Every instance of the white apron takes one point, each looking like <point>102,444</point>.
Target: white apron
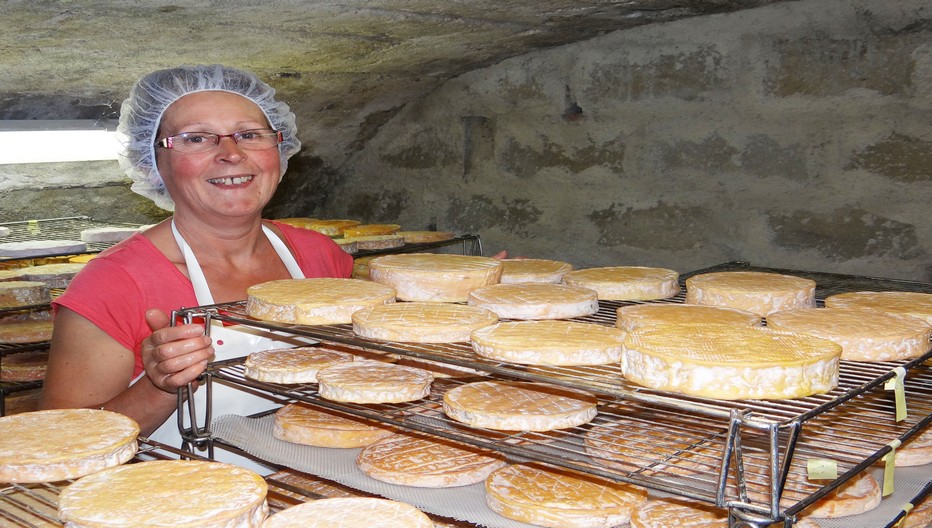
<point>229,342</point>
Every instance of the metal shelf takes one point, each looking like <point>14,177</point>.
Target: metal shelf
<point>68,228</point>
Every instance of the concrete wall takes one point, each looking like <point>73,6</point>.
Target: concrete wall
<point>793,136</point>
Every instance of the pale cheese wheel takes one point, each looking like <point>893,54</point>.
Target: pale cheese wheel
<point>519,406</point>
<point>558,498</point>
<point>917,451</point>
<point>860,494</point>
<point>347,245</point>
<point>377,241</point>
<point>291,365</point>
<point>16,294</point>
<point>54,275</point>
<point>635,316</point>
<point>361,267</point>
<point>679,513</point>
<point>298,221</point>
<point>757,292</point>
<point>425,237</point>
<point>426,462</point>
<point>24,366</point>
<point>314,301</point>
<point>40,248</point>
<point>914,304</point>
<point>166,493</point>
<point>332,228</point>
<point>921,514</point>
<point>348,512</point>
<point>11,274</point>
<point>534,270</point>
<point>627,283</point>
<point>108,234</point>
<point>16,332</point>
<point>730,362</point>
<point>365,230</point>
<point>536,300</point>
<point>563,343</point>
<point>300,423</point>
<point>435,277</point>
<point>33,447</point>
<point>864,334</point>
<point>419,322</point>
<point>373,382</point>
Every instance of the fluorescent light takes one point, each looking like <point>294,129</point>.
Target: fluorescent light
<point>35,141</point>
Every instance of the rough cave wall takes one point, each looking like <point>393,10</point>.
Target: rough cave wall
<point>793,136</point>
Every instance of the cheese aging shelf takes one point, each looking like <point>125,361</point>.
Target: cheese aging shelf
<point>743,455</point>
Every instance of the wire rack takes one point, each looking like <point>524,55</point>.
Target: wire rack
<point>68,228</point>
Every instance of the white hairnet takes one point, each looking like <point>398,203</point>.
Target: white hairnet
<point>141,115</point>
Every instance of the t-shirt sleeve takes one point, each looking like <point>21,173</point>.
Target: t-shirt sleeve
<point>317,254</point>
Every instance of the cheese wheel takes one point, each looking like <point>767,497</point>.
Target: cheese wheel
<point>54,275</point>
<point>418,322</point>
<point>519,406</point>
<point>730,362</point>
<point>82,259</point>
<point>752,291</point>
<point>435,277</point>
<point>298,221</point>
<point>40,248</point>
<point>301,423</point>
<point>558,498</point>
<point>914,304</point>
<point>917,451</point>
<point>627,283</point>
<point>864,334</point>
<point>347,512</point>
<point>314,301</point>
<point>534,270</point>
<point>166,493</point>
<point>16,294</point>
<point>108,234</point>
<point>536,300</point>
<point>361,267</point>
<point>426,462</point>
<point>679,513</point>
<point>425,237</point>
<point>859,494</point>
<point>364,230</point>
<point>291,365</point>
<point>373,382</point>
<point>921,515</point>
<point>332,228</point>
<point>377,241</point>
<point>33,448</point>
<point>635,316</point>
<point>24,366</point>
<point>347,245</point>
<point>14,332</point>
<point>550,343</point>
<point>11,275</point>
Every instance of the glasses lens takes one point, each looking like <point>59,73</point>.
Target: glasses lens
<point>194,141</point>
<point>257,139</point>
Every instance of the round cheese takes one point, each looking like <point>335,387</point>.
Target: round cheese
<point>914,304</point>
<point>534,270</point>
<point>632,317</point>
<point>291,365</point>
<point>864,334</point>
<point>40,248</point>
<point>54,275</point>
<point>921,515</point>
<point>752,291</point>
<point>730,362</point>
<point>166,493</point>
<point>300,423</point>
<point>361,267</point>
<point>377,241</point>
<point>332,228</point>
<point>860,494</point>
<point>108,234</point>
<point>363,230</point>
<point>435,277</point>
<point>347,245</point>
<point>418,322</point>
<point>550,343</point>
<point>536,300</point>
<point>14,332</point>
<point>16,294</point>
<point>627,283</point>
<point>60,444</point>
<point>314,301</point>
<point>373,382</point>
<point>519,406</point>
<point>425,237</point>
<point>348,512</point>
<point>24,366</point>
<point>681,513</point>
<point>557,498</point>
<point>300,221</point>
<point>917,451</point>
<point>426,462</point>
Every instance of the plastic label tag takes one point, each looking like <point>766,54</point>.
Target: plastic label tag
<point>821,469</point>
<point>899,392</point>
<point>908,507</point>
<point>33,227</point>
<point>890,464</point>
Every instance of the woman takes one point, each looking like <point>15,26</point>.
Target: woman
<point>210,143</point>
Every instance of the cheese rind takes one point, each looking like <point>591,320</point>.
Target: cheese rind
<point>917,451</point>
<point>347,512</point>
<point>424,237</point>
<point>557,498</point>
<point>300,423</point>
<point>108,234</point>
<point>24,366</point>
<point>433,277</point>
<point>14,294</point>
<point>519,406</point>
<point>314,301</point>
<point>534,270</point>
<point>535,300</point>
<point>332,228</point>
<point>635,316</point>
<point>13,332</point>
<point>291,365</point>
<point>40,248</point>
<point>730,362</point>
<point>913,304</point>
<point>549,343</point>
<point>216,495</point>
<point>33,448</point>
<point>365,230</point>
<point>757,292</point>
<point>420,322</point>
<point>626,283</point>
<point>54,275</point>
<point>373,382</point>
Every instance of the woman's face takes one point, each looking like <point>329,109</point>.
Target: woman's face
<point>225,180</point>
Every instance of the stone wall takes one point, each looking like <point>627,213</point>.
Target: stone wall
<point>793,136</point>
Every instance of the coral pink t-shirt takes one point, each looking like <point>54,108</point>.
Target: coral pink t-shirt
<point>115,289</point>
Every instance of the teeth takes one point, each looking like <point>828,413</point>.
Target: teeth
<point>231,181</point>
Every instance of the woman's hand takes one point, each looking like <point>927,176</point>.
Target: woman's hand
<point>174,356</point>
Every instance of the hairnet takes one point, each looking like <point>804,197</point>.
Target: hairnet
<point>142,111</point>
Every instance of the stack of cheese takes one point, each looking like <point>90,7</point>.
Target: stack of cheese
<point>432,277</point>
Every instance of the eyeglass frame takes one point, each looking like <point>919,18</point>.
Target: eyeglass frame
<point>168,141</point>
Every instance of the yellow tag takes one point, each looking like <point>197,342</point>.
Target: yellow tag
<point>890,464</point>
<point>899,392</point>
<point>33,227</point>
<point>908,507</point>
<point>821,469</point>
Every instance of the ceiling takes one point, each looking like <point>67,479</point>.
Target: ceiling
<point>345,66</point>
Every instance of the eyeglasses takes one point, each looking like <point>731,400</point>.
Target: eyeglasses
<point>255,139</point>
